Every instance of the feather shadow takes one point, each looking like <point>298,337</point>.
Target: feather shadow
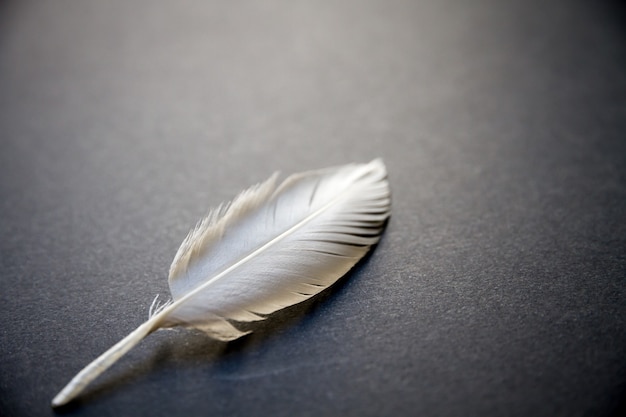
<point>188,350</point>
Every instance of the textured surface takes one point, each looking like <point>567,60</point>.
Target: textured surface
<point>497,289</point>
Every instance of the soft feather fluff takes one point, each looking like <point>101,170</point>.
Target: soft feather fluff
<point>272,247</point>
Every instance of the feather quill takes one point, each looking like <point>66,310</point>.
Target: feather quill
<point>272,247</point>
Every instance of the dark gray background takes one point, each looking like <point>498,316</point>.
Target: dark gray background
<point>497,289</point>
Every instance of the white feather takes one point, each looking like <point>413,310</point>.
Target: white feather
<point>272,247</point>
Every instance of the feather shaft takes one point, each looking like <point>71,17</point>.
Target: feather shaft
<point>272,247</point>
<point>104,361</point>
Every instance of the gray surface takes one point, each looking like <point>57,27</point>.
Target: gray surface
<point>498,288</point>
